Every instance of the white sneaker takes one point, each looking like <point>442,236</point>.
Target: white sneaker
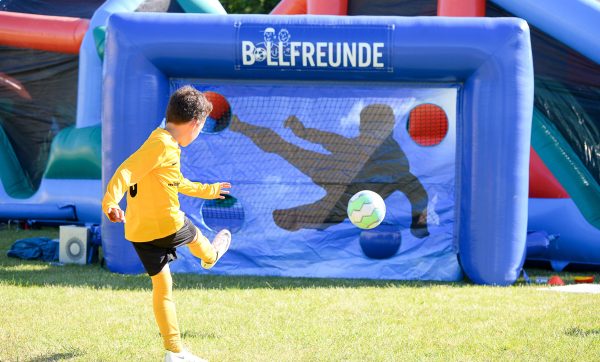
<point>183,356</point>
<point>221,244</point>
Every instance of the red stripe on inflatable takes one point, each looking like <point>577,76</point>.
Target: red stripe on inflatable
<point>542,183</point>
<point>461,8</point>
<point>331,7</point>
<point>41,32</point>
<point>290,7</point>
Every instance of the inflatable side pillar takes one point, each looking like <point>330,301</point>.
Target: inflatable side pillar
<point>89,86</point>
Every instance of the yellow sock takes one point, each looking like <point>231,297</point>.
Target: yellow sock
<point>202,248</point>
<point>164,309</point>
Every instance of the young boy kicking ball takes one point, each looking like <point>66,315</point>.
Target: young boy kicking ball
<point>155,224</point>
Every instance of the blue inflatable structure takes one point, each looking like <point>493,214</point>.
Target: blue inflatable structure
<point>309,110</point>
<point>301,91</point>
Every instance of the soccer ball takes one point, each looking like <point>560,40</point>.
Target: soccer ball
<point>366,209</point>
<point>260,54</point>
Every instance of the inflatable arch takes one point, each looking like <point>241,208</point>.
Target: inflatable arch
<point>293,95</point>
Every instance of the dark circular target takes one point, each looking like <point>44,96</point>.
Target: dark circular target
<point>382,242</point>
<point>220,117</point>
<point>219,214</point>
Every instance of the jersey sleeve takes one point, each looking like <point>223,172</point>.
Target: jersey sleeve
<point>197,189</point>
<point>149,156</point>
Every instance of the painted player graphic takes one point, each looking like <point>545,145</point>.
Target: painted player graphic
<point>284,38</point>
<point>272,39</point>
<point>352,165</point>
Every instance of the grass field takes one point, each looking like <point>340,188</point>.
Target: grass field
<point>85,313</point>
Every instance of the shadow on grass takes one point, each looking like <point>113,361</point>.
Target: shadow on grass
<point>578,332</point>
<point>34,273</point>
<point>56,356</point>
<point>199,335</point>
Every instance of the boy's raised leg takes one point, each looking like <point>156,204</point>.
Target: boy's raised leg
<point>208,252</point>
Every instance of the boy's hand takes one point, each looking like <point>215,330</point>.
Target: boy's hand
<point>223,185</point>
<point>116,215</point>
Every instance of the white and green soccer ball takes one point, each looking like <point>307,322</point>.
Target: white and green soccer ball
<point>366,209</point>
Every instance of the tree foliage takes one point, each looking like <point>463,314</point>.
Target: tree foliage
<point>249,6</point>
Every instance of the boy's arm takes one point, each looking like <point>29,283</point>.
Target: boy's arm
<point>203,191</point>
<point>147,157</point>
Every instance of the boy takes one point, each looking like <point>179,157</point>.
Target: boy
<point>155,224</point>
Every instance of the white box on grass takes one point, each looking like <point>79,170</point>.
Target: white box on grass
<point>74,244</point>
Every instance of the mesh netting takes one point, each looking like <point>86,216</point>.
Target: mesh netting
<point>296,154</point>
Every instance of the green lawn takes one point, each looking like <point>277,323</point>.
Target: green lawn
<point>85,313</point>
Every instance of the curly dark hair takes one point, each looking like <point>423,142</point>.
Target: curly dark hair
<point>186,104</point>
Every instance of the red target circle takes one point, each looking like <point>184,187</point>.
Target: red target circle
<point>427,124</point>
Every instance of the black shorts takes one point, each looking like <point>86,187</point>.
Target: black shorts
<point>157,253</point>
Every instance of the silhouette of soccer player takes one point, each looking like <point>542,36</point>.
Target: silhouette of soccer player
<point>372,161</point>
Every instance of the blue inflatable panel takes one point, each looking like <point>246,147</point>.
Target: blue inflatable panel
<point>577,240</point>
<point>67,201</point>
<point>312,82</point>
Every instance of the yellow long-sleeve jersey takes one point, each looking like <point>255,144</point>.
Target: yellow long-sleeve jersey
<point>153,178</point>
